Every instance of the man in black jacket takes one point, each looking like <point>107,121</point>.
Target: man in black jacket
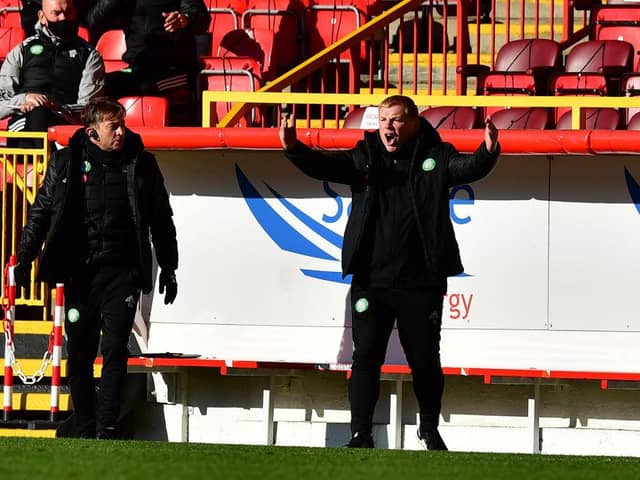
<point>161,50</point>
<point>102,198</point>
<point>400,246</point>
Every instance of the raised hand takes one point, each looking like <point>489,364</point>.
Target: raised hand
<point>490,135</point>
<point>288,136</point>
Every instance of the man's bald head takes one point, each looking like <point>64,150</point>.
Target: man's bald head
<point>57,10</point>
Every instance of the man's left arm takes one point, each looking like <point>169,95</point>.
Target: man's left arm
<point>163,230</point>
<point>92,81</point>
<point>469,168</point>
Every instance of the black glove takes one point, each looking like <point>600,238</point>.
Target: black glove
<point>168,282</point>
<point>22,274</point>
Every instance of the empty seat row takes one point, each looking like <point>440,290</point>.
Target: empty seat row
<point>517,118</point>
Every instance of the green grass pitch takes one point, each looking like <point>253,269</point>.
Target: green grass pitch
<point>52,459</point>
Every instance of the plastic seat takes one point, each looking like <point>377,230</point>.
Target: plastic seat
<point>522,118</point>
<point>594,119</point>
<point>328,23</point>
<point>618,22</point>
<point>630,86</point>
<point>429,34</point>
<point>286,21</point>
<point>10,16</point>
<point>146,111</point>
<point>365,118</point>
<point>9,38</point>
<point>522,67</point>
<point>627,33</point>
<point>254,43</point>
<point>634,122</point>
<point>232,73</point>
<point>112,46</point>
<point>451,117</point>
<point>594,67</point>
<point>224,18</point>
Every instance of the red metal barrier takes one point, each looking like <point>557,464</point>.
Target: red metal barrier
<point>516,142</point>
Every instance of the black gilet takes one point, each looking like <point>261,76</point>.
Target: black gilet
<point>110,228</point>
<point>55,70</point>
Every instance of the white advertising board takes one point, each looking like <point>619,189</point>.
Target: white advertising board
<point>259,275</point>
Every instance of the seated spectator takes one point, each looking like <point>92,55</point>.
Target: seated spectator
<point>161,51</point>
<point>51,75</point>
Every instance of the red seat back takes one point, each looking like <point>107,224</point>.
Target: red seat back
<point>146,111</point>
<point>112,47</point>
<point>451,117</point>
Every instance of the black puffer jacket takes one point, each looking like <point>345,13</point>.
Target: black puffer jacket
<point>361,168</point>
<point>56,217</point>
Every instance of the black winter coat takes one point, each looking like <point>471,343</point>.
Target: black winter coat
<point>54,217</point>
<point>361,168</point>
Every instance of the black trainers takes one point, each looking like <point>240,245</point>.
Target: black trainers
<point>360,440</point>
<point>107,433</point>
<point>431,439</point>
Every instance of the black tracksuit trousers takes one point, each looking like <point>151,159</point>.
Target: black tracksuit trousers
<point>419,317</point>
<point>106,298</point>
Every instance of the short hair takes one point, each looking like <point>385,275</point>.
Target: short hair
<point>406,102</point>
<point>98,108</point>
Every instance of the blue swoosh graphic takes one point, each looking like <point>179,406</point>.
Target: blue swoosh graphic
<point>328,276</point>
<point>283,234</point>
<point>634,188</point>
<point>329,235</point>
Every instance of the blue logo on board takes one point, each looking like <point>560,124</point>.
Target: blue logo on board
<point>290,239</point>
<point>634,188</point>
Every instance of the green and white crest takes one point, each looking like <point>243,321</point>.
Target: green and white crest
<point>86,166</point>
<point>361,305</point>
<point>36,49</point>
<point>429,164</point>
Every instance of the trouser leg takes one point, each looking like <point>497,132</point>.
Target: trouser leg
<point>83,336</point>
<point>419,323</point>
<point>118,312</point>
<point>372,322</point>
<point>37,120</point>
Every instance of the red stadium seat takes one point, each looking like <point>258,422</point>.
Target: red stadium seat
<point>594,119</point>
<point>451,117</point>
<point>594,67</point>
<point>9,38</point>
<point>328,23</point>
<point>223,20</point>
<point>630,86</point>
<point>256,43</point>
<point>523,67</point>
<point>10,16</point>
<point>286,21</point>
<point>232,73</point>
<point>618,22</point>
<point>146,111</point>
<point>522,118</point>
<point>429,34</point>
<point>362,117</point>
<point>112,46</point>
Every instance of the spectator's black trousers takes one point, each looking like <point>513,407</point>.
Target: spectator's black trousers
<point>106,298</point>
<point>419,317</point>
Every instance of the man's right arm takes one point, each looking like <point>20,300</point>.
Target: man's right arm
<point>335,167</point>
<point>10,82</point>
<point>35,231</point>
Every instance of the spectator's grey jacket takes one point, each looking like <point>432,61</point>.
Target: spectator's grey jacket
<point>91,84</point>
